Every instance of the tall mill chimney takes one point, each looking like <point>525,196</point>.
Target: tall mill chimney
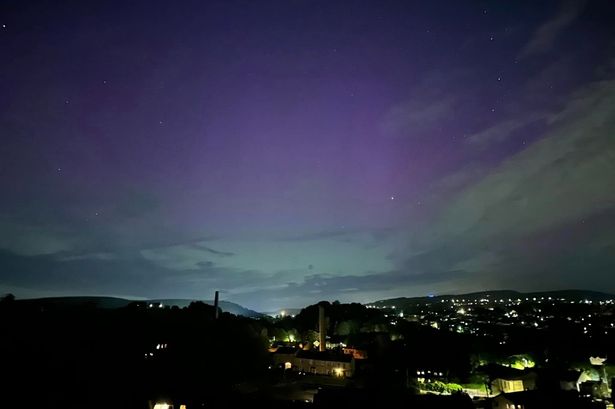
<point>216,305</point>
<point>322,329</point>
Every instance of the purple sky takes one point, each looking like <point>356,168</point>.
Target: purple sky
<point>286,152</point>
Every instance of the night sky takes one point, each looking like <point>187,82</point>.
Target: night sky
<point>286,152</point>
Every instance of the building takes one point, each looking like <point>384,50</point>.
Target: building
<point>508,380</point>
<point>318,362</point>
<point>284,357</point>
<point>518,383</point>
<point>314,362</point>
<point>324,363</point>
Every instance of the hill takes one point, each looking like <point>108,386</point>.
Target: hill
<point>115,302</point>
<point>499,294</point>
<point>226,306</point>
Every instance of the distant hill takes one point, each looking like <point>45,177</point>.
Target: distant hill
<point>283,311</point>
<point>71,302</point>
<point>114,302</point>
<point>225,306</point>
<point>499,294</point>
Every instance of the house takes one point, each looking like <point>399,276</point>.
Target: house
<point>508,380</point>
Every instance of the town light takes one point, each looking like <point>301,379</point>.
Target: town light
<point>162,406</point>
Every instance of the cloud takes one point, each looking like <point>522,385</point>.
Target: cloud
<point>564,175</point>
<point>94,256</point>
<point>364,236</point>
<point>503,130</point>
<point>416,115</point>
<point>31,239</point>
<point>351,288</point>
<point>488,233</point>
<point>54,221</point>
<point>49,274</point>
<point>327,234</point>
<point>134,204</point>
<point>359,251</point>
<point>544,37</point>
<point>492,225</point>
<point>128,273</point>
<point>212,251</point>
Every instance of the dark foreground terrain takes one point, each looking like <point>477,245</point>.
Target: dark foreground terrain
<point>81,355</point>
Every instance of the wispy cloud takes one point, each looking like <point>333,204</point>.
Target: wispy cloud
<point>504,129</point>
<point>34,239</point>
<point>544,37</point>
<point>416,115</point>
<point>359,251</point>
<point>568,170</point>
<point>213,251</point>
<point>554,184</point>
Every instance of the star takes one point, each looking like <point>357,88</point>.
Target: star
<point>392,197</point>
